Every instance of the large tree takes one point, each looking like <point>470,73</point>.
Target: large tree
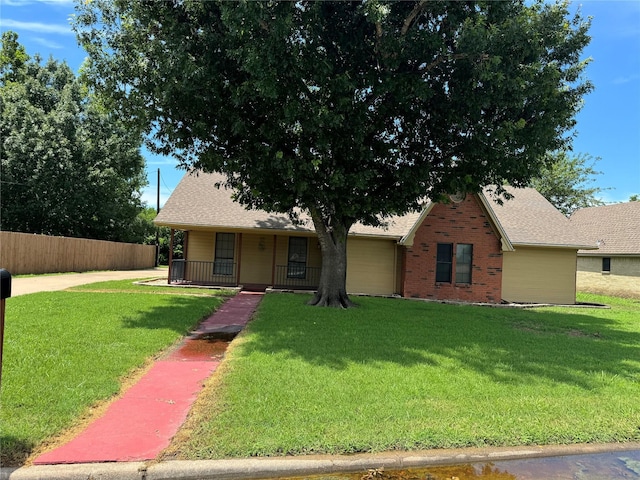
<point>348,111</point>
<point>68,168</point>
<point>567,181</point>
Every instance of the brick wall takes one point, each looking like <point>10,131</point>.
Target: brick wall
<point>465,222</point>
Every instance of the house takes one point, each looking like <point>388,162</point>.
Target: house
<point>615,266</point>
<point>474,250</point>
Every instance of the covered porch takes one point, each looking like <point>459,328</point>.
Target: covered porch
<point>253,261</point>
<point>190,272</point>
<point>290,260</point>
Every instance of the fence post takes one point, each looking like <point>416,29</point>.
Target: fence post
<point>5,292</point>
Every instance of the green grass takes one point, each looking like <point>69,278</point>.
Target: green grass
<point>399,374</point>
<point>65,351</point>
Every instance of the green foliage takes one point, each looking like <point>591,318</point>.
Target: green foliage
<point>145,221</point>
<point>65,351</point>
<point>351,111</point>
<point>68,168</point>
<point>400,374</point>
<point>566,181</point>
<point>634,198</point>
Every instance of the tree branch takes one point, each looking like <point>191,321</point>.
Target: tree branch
<point>412,16</point>
<point>455,56</point>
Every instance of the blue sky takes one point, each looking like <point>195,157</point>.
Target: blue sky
<point>608,125</point>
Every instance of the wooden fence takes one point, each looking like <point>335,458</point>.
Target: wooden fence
<point>24,253</point>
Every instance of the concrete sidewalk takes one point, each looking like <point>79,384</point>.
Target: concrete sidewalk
<point>53,282</point>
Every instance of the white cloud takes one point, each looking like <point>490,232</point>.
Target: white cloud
<point>160,161</point>
<point>47,43</point>
<point>37,27</point>
<point>149,196</point>
<point>15,3</point>
<point>24,3</point>
<point>626,79</point>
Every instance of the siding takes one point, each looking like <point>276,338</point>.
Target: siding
<point>200,246</point>
<point>620,265</point>
<point>371,266</point>
<point>539,275</point>
<point>590,264</point>
<point>256,263</point>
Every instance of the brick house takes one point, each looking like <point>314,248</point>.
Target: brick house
<point>474,250</point>
<point>615,266</point>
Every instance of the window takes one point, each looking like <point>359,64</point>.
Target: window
<point>297,263</point>
<point>225,246</point>
<point>606,264</point>
<point>444,262</point>
<point>464,255</point>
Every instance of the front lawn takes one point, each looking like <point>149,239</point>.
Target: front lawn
<point>401,374</point>
<point>65,351</point>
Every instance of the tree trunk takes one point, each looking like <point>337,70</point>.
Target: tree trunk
<point>332,290</point>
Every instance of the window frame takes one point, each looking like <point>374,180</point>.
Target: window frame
<point>606,264</point>
<point>297,268</point>
<point>468,277</point>
<point>444,265</point>
<point>223,264</point>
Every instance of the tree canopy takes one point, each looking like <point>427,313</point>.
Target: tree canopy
<point>68,167</point>
<point>350,111</point>
<point>566,180</point>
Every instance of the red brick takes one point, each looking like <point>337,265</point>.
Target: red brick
<point>465,222</point>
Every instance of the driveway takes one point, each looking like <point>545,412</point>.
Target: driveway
<point>49,283</point>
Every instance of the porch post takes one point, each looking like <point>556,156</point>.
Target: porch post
<point>239,257</point>
<point>273,262</point>
<point>170,255</point>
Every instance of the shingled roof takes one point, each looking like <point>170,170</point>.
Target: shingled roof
<point>197,202</point>
<point>527,219</point>
<point>615,228</point>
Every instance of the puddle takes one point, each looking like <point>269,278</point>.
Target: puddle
<point>604,466</point>
<point>200,349</point>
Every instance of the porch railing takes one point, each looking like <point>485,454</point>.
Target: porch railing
<point>297,276</point>
<point>192,272</point>
<point>203,273</point>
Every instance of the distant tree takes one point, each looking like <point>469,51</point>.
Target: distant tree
<point>68,167</point>
<point>348,111</point>
<point>145,218</point>
<point>566,180</point>
<point>634,198</point>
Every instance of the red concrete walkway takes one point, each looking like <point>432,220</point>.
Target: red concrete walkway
<point>140,424</point>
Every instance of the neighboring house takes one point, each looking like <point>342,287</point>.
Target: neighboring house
<point>616,230</point>
<point>474,250</point>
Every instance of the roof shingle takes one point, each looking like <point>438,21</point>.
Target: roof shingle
<point>616,228</point>
<point>527,219</point>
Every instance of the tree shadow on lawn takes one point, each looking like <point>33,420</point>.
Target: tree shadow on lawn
<point>164,317</point>
<point>507,345</point>
<point>102,334</point>
<point>14,451</point>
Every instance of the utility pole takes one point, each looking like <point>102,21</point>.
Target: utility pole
<point>158,228</point>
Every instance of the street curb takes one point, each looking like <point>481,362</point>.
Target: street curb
<point>255,468</point>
